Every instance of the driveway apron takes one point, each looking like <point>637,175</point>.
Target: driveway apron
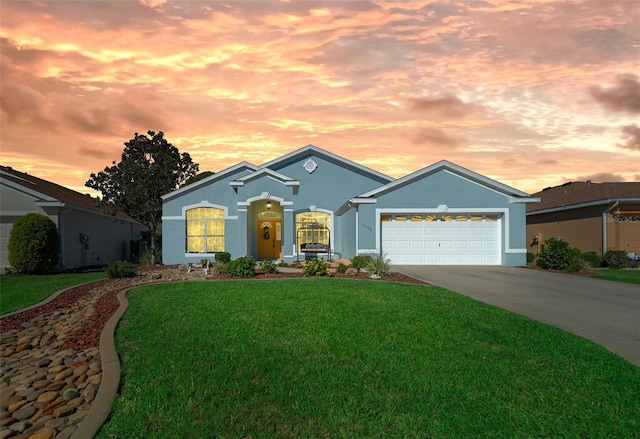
<point>605,312</point>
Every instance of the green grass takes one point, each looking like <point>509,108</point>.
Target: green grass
<point>631,275</point>
<point>309,358</point>
<point>19,291</point>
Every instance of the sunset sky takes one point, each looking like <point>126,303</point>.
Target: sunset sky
<point>532,93</point>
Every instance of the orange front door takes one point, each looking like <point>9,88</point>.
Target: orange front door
<point>269,239</point>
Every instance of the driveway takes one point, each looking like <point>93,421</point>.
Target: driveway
<point>605,312</point>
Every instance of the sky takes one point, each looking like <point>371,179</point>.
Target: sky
<point>530,93</point>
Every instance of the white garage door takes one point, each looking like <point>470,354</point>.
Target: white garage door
<point>431,239</point>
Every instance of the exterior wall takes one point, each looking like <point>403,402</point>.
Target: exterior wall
<point>446,189</point>
<point>109,238</point>
<point>324,189</point>
<point>582,228</point>
<point>585,233</point>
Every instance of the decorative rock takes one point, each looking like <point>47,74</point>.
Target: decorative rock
<point>90,392</point>
<point>67,432</point>
<point>64,410</point>
<point>7,433</point>
<point>43,433</point>
<point>70,394</point>
<point>9,400</point>
<point>80,370</point>
<point>20,426</point>
<point>56,423</point>
<point>34,394</point>
<point>47,397</point>
<point>63,375</point>
<point>44,362</point>
<point>54,387</point>
<point>17,405</point>
<point>24,412</point>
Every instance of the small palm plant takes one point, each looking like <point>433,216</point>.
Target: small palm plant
<point>378,267</point>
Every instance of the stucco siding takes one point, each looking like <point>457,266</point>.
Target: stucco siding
<point>584,234</point>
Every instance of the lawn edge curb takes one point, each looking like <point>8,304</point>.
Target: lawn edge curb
<point>110,382</point>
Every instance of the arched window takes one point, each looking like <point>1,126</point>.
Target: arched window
<point>313,228</point>
<point>205,230</point>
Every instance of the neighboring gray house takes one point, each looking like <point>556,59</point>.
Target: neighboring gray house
<point>312,203</point>
<point>88,235</point>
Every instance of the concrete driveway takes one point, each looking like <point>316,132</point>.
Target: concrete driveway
<point>605,312</point>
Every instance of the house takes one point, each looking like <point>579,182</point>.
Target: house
<point>89,236</point>
<point>311,203</point>
<point>593,217</point>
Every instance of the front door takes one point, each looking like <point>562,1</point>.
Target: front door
<point>269,239</point>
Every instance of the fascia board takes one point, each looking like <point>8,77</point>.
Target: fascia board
<point>26,190</point>
<point>323,153</point>
<point>583,205</point>
<point>209,179</point>
<point>457,170</point>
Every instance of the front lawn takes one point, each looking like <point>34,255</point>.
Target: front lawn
<point>630,275</point>
<point>19,291</point>
<point>319,357</point>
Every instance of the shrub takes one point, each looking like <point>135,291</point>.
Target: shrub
<point>615,259</point>
<point>34,244</point>
<point>593,259</point>
<point>554,254</point>
<point>224,257</point>
<point>530,257</point>
<point>342,268</point>
<point>218,268</point>
<point>378,267</point>
<point>268,267</point>
<point>145,257</point>
<point>119,269</point>
<point>360,261</point>
<point>244,266</point>
<point>316,267</point>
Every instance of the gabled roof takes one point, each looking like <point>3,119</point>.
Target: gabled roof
<point>455,169</point>
<point>319,152</point>
<point>47,193</point>
<point>287,181</point>
<point>584,193</point>
<point>242,166</point>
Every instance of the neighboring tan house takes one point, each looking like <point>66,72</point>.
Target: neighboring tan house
<point>593,217</point>
<point>88,235</point>
<point>312,203</point>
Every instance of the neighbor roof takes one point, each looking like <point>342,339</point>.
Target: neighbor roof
<point>46,192</point>
<point>580,193</point>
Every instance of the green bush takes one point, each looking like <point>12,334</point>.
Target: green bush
<point>615,259</point>
<point>378,266</point>
<point>530,257</point>
<point>34,244</point>
<point>224,257</point>
<point>554,254</point>
<point>268,267</point>
<point>342,268</point>
<point>316,267</point>
<point>218,268</point>
<point>244,266</point>
<point>593,259</point>
<point>360,261</point>
<point>119,269</point>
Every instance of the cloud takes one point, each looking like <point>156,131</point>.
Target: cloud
<point>433,137</point>
<point>601,177</point>
<point>623,97</point>
<point>632,134</point>
<point>448,106</point>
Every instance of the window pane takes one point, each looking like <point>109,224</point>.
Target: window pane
<point>492,218</point>
<point>385,218</point>
<point>431,218</point>
<point>313,227</point>
<point>476,218</point>
<point>205,230</point>
<point>461,218</point>
<point>416,218</point>
<point>445,218</point>
<point>401,218</point>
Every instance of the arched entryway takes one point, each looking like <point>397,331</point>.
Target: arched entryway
<point>268,229</point>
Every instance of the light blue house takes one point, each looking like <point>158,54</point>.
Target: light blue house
<point>312,203</point>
